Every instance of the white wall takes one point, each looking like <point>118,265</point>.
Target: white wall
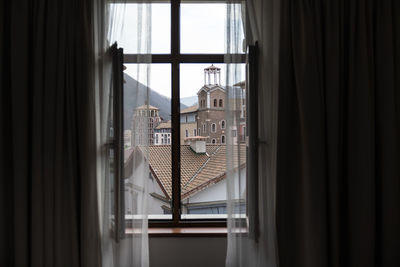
<point>217,191</point>
<point>154,204</point>
<point>187,251</point>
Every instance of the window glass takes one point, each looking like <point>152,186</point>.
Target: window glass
<point>148,124</point>
<point>128,37</point>
<point>213,127</point>
<point>203,28</point>
<point>203,159</point>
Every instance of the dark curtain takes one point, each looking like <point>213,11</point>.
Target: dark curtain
<point>338,173</point>
<point>47,138</point>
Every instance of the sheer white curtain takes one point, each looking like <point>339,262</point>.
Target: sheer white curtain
<point>131,249</point>
<point>256,245</point>
<point>235,178</point>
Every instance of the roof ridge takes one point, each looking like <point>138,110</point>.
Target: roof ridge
<point>202,167</point>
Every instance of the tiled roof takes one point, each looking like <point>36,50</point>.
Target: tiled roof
<point>242,84</point>
<point>198,171</point>
<point>164,125</point>
<point>191,109</point>
<point>211,87</point>
<point>144,107</point>
<point>212,67</point>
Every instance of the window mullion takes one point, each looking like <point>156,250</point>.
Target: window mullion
<point>175,110</point>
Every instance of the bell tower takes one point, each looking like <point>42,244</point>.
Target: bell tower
<point>212,75</point>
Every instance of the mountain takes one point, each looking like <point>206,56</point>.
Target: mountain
<point>133,91</point>
<point>189,101</point>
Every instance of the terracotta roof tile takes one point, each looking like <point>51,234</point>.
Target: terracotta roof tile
<point>197,170</point>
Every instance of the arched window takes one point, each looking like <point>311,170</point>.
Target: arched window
<point>213,128</point>
<point>220,103</point>
<point>223,139</point>
<point>199,132</point>
<point>213,141</point>
<point>215,102</point>
<point>186,133</point>
<point>194,132</point>
<point>204,128</point>
<point>223,124</point>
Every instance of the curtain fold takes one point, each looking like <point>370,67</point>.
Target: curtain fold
<point>257,247</point>
<point>47,143</point>
<point>339,139</point>
<point>132,249</point>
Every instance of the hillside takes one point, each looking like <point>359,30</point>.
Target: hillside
<point>189,101</point>
<point>132,93</point>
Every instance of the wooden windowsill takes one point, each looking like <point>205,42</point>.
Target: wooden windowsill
<point>183,232</point>
<point>188,232</point>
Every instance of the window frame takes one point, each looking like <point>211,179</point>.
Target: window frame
<point>176,58</point>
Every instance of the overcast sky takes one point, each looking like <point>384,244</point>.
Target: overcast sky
<point>202,31</point>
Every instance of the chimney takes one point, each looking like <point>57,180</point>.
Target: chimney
<point>197,144</point>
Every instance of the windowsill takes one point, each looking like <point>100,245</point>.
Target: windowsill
<point>188,232</point>
<point>183,232</point>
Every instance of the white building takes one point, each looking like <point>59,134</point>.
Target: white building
<point>203,178</point>
<point>127,139</point>
<point>162,134</point>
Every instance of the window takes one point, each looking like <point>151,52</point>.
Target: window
<point>188,47</point>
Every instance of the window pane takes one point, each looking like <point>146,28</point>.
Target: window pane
<point>125,17</point>
<point>203,157</point>
<point>203,28</point>
<point>148,125</point>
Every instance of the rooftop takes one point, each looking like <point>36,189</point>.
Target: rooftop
<point>198,171</point>
<point>191,109</point>
<point>164,125</point>
<point>241,84</point>
<point>144,107</point>
<point>211,87</point>
<point>212,67</point>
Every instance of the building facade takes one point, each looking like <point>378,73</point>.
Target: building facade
<point>162,134</point>
<point>145,119</point>
<point>211,111</point>
<point>188,121</point>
